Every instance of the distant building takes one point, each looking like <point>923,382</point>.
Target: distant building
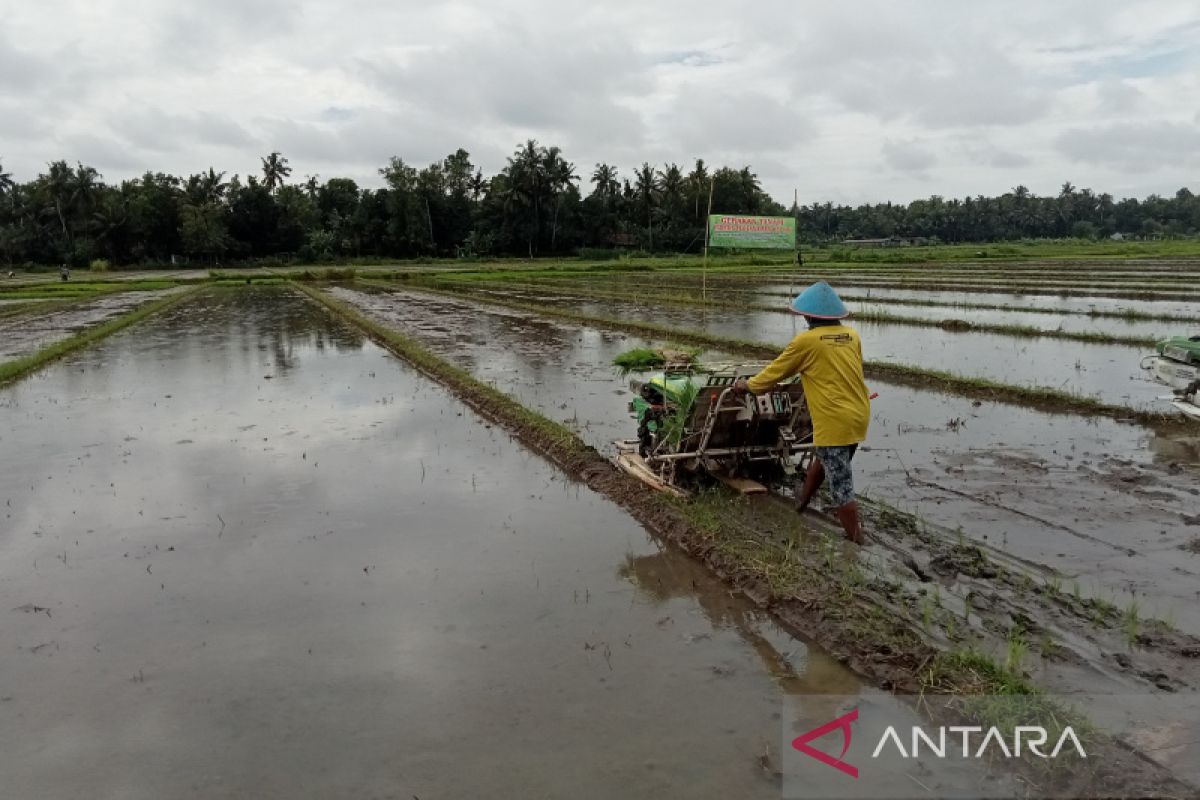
<point>890,241</point>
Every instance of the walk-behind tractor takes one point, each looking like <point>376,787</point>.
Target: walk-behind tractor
<point>1177,365</point>
<point>692,429</point>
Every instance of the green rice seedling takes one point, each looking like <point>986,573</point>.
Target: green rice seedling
<point>1017,649</point>
<point>1132,623</point>
<point>639,359</point>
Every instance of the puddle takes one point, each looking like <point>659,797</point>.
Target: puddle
<point>251,554</point>
<point>1103,502</point>
<point>24,335</point>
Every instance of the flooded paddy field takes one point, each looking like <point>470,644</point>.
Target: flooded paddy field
<point>1112,506</point>
<point>246,552</point>
<point>936,310</point>
<point>769,289</point>
<point>25,333</point>
<point>1105,371</point>
<point>1084,301</point>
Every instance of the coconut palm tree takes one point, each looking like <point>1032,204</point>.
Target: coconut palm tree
<point>213,185</point>
<point>478,185</point>
<point>311,185</point>
<point>560,176</point>
<point>751,188</point>
<point>6,181</point>
<point>57,183</point>
<point>604,177</point>
<point>646,185</point>
<point>527,186</point>
<point>671,185</point>
<point>697,181</point>
<point>275,169</point>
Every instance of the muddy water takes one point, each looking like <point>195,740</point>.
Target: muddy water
<point>1107,504</point>
<point>247,553</point>
<point>1070,323</point>
<point>560,369</point>
<point>1041,320</point>
<point>1108,372</point>
<point>26,334</point>
<point>1096,303</point>
<point>772,290</point>
<point>967,282</point>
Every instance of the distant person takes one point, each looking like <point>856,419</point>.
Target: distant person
<point>64,272</point>
<point>12,274</point>
<point>828,359</point>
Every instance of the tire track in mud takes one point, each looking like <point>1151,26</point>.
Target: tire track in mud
<point>876,620</point>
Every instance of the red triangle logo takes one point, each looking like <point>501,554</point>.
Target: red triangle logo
<point>842,723</point>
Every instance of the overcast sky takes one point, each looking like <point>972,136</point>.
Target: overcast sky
<point>848,101</point>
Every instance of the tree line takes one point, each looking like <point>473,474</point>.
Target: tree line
<point>537,205</point>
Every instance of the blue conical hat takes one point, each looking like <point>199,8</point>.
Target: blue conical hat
<point>820,301</point>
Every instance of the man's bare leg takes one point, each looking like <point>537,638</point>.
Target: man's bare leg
<point>848,516</point>
<point>812,481</point>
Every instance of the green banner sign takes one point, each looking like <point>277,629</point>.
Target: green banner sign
<point>731,230</point>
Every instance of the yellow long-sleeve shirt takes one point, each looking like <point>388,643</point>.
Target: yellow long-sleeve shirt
<point>829,361</point>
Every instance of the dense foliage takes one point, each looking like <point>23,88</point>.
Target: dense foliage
<point>536,205</point>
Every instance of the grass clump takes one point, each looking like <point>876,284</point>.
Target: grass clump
<point>643,359</point>
<point>639,359</point>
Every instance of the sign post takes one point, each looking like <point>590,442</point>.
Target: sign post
<point>704,266</point>
<point>741,231</point>
<point>752,233</point>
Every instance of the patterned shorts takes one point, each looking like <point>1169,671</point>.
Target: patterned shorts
<point>839,476</point>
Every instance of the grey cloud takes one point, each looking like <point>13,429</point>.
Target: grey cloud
<point>1118,96</point>
<point>705,120</point>
<point>19,70</point>
<point>16,124</point>
<point>958,89</point>
<point>908,156</point>
<point>203,34</point>
<point>1133,145</point>
<point>302,140</point>
<point>154,129</point>
<point>690,58</point>
<point>368,139</point>
<point>514,78</point>
<point>981,151</point>
<point>104,153</point>
<point>340,87</point>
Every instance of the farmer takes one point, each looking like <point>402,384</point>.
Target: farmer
<point>828,358</point>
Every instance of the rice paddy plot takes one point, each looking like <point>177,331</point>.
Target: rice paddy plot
<point>1107,372</point>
